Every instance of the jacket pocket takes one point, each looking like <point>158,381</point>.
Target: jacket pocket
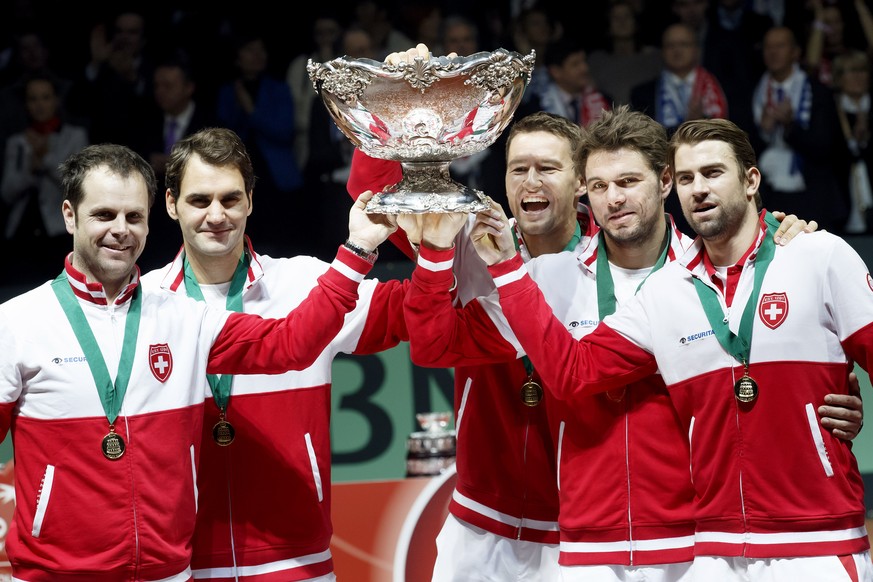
<point>820,448</point>
<point>313,463</point>
<point>42,499</point>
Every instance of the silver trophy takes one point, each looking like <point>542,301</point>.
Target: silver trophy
<point>431,451</point>
<point>424,114</point>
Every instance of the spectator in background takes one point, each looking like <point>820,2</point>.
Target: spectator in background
<point>693,13</point>
<point>260,109</point>
<point>791,13</point>
<point>329,163</point>
<point>533,30</point>
<point>30,55</point>
<point>829,36</point>
<point>424,20</point>
<point>116,82</point>
<point>31,184</point>
<point>796,136</point>
<point>684,89</point>
<point>326,35</point>
<point>851,75</point>
<point>484,169</point>
<point>731,24</point>
<point>386,38</point>
<point>172,114</point>
<point>459,35</point>
<point>624,61</point>
<point>571,91</point>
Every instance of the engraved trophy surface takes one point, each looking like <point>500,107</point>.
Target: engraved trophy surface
<point>424,114</point>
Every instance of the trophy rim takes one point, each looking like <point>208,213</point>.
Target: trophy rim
<point>443,59</point>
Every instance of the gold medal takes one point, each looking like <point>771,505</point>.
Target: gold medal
<point>223,433</point>
<point>113,445</point>
<point>531,393</point>
<point>746,389</point>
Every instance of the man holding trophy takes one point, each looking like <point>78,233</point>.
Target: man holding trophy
<point>262,508</point>
<point>504,511</point>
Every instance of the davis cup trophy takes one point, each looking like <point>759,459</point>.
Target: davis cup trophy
<point>424,114</point>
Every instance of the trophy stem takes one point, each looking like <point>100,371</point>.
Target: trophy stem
<point>427,187</point>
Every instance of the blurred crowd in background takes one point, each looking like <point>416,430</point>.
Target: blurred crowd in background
<point>794,74</point>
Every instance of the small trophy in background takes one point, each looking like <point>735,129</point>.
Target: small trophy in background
<point>431,450</point>
<point>424,114</point>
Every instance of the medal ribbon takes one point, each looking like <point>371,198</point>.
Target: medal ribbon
<point>739,346</point>
<point>111,395</point>
<point>220,384</point>
<point>574,242</point>
<point>605,285</point>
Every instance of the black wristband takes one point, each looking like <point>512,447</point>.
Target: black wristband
<point>369,256</point>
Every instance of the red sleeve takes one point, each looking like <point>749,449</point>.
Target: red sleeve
<point>570,368</point>
<point>7,409</point>
<point>385,326</point>
<point>368,173</point>
<point>444,335</point>
<point>250,344</point>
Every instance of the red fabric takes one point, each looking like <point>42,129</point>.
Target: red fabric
<point>46,127</point>
<point>368,173</point>
<point>592,107</point>
<point>711,96</point>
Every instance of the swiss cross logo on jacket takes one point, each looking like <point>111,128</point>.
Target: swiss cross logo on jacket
<point>773,309</point>
<point>160,361</point>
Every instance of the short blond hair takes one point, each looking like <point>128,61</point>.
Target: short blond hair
<point>848,61</point>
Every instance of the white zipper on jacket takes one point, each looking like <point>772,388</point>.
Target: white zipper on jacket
<point>630,521</point>
<point>133,497</point>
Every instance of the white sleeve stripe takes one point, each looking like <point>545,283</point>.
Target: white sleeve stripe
<point>432,266</point>
<point>509,277</point>
<point>347,271</point>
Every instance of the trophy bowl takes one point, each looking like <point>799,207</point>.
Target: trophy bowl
<point>424,114</point>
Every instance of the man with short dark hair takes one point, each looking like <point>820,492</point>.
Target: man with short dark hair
<point>265,485</point>
<point>604,445</point>
<point>102,382</point>
<point>749,338</point>
<point>796,135</point>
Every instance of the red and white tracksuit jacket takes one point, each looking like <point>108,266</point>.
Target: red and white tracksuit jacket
<point>80,516</point>
<point>505,453</point>
<point>265,499</point>
<point>506,460</point>
<point>769,481</point>
<point>625,496</point>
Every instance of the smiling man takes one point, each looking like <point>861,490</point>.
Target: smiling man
<point>641,524</point>
<point>749,339</point>
<point>102,382</point>
<point>264,510</point>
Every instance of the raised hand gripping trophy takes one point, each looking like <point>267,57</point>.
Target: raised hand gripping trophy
<point>424,114</point>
